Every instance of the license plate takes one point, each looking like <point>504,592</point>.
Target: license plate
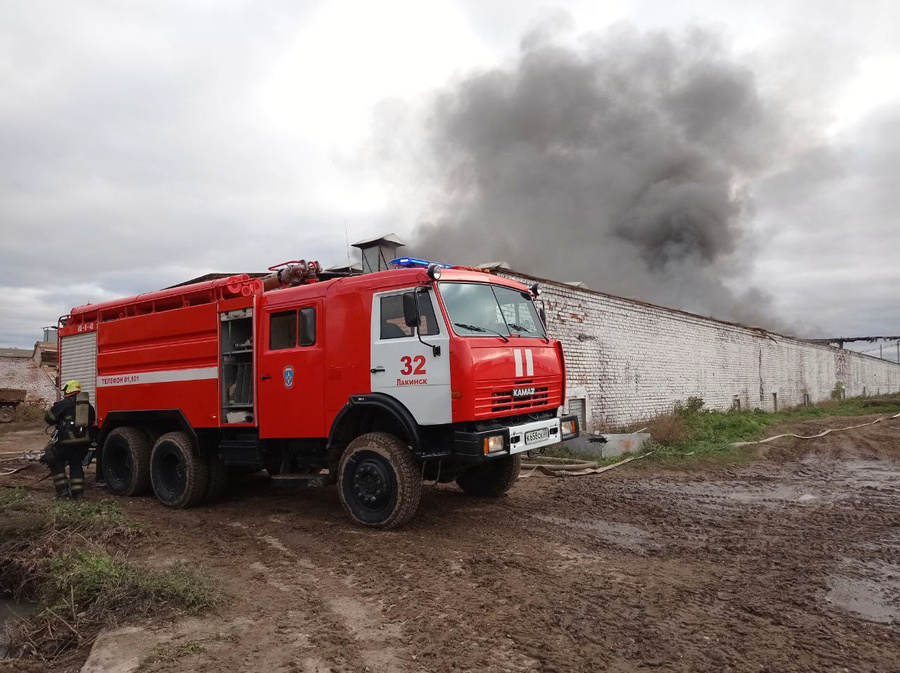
<point>533,436</point>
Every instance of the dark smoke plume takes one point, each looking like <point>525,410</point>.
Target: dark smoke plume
<point>620,161</point>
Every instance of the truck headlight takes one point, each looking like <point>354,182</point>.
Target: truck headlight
<point>493,444</point>
<point>567,428</point>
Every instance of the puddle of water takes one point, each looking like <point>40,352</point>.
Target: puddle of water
<point>10,611</point>
<point>875,597</point>
<point>878,474</point>
<point>842,479</point>
<point>725,493</point>
<point>624,535</point>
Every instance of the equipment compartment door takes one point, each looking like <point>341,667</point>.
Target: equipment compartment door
<point>404,367</point>
<point>236,344</point>
<point>291,373</point>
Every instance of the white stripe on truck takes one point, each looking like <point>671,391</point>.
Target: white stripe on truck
<point>169,376</point>
<point>526,368</point>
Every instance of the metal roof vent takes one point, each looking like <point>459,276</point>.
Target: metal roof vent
<point>377,252</point>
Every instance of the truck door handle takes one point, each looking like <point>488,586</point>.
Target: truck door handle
<point>377,370</point>
<point>264,378</point>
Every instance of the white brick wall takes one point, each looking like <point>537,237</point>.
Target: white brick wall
<point>634,360</point>
<point>25,374</point>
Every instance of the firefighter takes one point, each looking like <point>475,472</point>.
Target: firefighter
<point>74,418</point>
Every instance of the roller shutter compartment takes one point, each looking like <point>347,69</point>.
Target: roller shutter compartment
<point>78,360</point>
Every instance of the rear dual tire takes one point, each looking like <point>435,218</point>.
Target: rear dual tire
<point>126,461</point>
<point>132,464</point>
<point>180,477</point>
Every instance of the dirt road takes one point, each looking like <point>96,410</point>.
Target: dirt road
<point>787,563</point>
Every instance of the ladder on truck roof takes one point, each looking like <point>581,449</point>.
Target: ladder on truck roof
<point>283,275</point>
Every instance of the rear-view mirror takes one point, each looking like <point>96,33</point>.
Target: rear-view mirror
<point>410,310</point>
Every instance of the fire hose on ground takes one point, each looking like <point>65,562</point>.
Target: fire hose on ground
<point>565,467</point>
<point>821,434</point>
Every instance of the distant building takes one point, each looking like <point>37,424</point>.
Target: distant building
<point>33,371</point>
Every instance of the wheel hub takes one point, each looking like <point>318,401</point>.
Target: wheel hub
<point>172,473</point>
<point>371,484</point>
<point>118,464</point>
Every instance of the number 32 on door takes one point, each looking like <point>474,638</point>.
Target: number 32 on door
<point>414,366</point>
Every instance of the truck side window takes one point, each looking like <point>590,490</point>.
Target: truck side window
<point>307,326</point>
<point>282,330</point>
<point>392,324</point>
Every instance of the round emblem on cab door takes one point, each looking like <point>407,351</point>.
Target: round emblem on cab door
<point>288,376</point>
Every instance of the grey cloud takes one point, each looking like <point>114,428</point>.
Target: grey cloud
<point>134,154</point>
<point>621,160</point>
<point>831,219</point>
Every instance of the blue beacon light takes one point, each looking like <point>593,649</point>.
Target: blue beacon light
<point>414,263</point>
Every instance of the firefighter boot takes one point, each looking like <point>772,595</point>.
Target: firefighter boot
<point>76,488</point>
<point>61,484</point>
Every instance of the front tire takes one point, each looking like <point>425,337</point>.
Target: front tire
<point>126,461</point>
<point>491,479</point>
<point>178,474</point>
<point>379,481</point>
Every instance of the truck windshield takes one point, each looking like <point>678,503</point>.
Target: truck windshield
<point>478,309</point>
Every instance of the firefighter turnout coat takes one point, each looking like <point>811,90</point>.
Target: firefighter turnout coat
<point>73,416</point>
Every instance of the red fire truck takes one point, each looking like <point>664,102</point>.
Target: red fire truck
<point>373,382</point>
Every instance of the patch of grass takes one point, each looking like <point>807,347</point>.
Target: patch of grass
<point>669,429</point>
<point>92,513</point>
<point>168,653</point>
<point>20,521</point>
<point>10,497</point>
<point>91,578</point>
<point>710,433</point>
<point>71,557</point>
<point>83,589</point>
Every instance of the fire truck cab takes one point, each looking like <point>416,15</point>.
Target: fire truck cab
<point>373,382</point>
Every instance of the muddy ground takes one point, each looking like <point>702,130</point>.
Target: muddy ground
<point>789,562</point>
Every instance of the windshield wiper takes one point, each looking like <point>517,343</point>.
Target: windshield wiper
<point>520,328</point>
<point>476,328</point>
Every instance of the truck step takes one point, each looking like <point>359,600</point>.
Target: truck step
<point>298,480</point>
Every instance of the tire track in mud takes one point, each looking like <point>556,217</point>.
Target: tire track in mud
<point>300,616</point>
<point>709,571</point>
<point>781,564</point>
<point>771,550</point>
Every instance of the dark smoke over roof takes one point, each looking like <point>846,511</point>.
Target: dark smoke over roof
<point>619,160</point>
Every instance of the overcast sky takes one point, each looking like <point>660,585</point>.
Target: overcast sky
<point>142,144</point>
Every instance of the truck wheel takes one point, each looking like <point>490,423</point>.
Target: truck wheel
<point>7,413</point>
<point>493,478</point>
<point>217,479</point>
<point>379,481</point>
<point>178,474</point>
<point>126,461</point>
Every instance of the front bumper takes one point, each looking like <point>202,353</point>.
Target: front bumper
<point>470,446</point>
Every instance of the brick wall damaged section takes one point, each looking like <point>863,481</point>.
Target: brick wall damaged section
<point>631,361</point>
<point>26,374</point>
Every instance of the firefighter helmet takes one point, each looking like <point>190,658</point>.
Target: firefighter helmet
<point>71,386</point>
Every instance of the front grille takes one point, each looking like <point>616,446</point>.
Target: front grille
<point>496,397</point>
